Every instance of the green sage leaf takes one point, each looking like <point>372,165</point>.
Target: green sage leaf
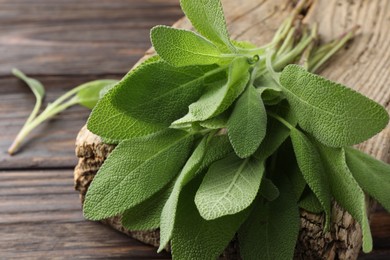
<point>89,93</point>
<point>229,186</point>
<point>346,190</point>
<point>371,174</point>
<point>272,228</point>
<point>146,215</point>
<point>268,189</point>
<point>196,238</point>
<point>177,88</point>
<point>208,19</point>
<point>335,115</point>
<point>309,162</point>
<point>135,163</point>
<point>247,123</point>
<point>309,202</point>
<point>183,48</point>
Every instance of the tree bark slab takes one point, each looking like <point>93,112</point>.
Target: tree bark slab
<point>363,66</point>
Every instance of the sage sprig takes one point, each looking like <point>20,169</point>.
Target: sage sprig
<point>226,138</point>
<point>86,95</point>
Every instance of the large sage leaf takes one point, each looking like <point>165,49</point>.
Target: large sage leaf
<point>229,186</point>
<point>372,175</point>
<point>334,114</point>
<point>247,123</point>
<point>128,176</point>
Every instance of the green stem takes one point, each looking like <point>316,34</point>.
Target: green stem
<point>280,119</point>
<point>49,112</point>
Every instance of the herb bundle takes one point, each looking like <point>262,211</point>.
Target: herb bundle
<point>218,137</point>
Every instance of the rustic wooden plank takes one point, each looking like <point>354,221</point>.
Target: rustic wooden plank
<point>78,37</point>
<point>50,225</point>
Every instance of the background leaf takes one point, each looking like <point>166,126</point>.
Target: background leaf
<point>229,186</point>
<point>183,48</point>
<point>145,164</point>
<point>271,230</point>
<point>35,86</point>
<point>89,94</point>
<point>346,190</point>
<point>247,123</point>
<point>196,238</point>
<point>310,164</point>
<point>335,115</point>
<point>208,19</point>
<point>371,174</point>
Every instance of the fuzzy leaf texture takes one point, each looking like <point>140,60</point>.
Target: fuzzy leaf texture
<point>177,88</point>
<point>247,123</point>
<point>196,238</point>
<point>371,174</point>
<point>309,162</point>
<point>271,230</point>
<point>110,123</point>
<point>346,190</point>
<point>217,148</point>
<point>208,19</point>
<point>334,114</point>
<point>146,215</point>
<point>229,186</point>
<point>183,48</point>
<point>135,163</point>
<point>219,97</point>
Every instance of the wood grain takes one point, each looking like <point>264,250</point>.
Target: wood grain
<point>67,42</point>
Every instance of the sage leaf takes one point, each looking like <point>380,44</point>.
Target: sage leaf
<point>111,123</point>
<point>268,189</point>
<point>135,163</point>
<point>346,190</point>
<point>217,122</point>
<point>177,88</point>
<point>247,123</point>
<point>183,48</point>
<point>229,186</point>
<point>196,238</point>
<point>335,115</point>
<point>371,174</point>
<point>309,202</point>
<point>220,96</point>
<point>188,172</point>
<point>309,162</point>
<point>146,215</point>
<point>89,93</point>
<point>272,228</point>
<point>208,19</point>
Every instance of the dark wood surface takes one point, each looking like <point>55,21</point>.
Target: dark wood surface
<point>64,43</point>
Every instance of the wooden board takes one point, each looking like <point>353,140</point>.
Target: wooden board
<point>67,42</point>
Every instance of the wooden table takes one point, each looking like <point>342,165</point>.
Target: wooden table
<point>64,43</point>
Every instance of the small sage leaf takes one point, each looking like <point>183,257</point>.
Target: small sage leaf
<point>89,93</point>
<point>247,123</point>
<point>229,186</point>
<point>183,48</point>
